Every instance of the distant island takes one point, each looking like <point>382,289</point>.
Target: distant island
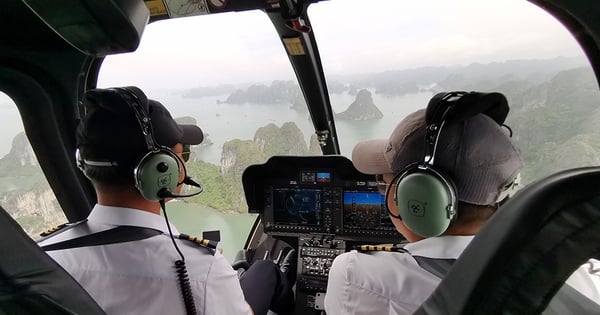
<point>361,109</point>
<point>475,76</point>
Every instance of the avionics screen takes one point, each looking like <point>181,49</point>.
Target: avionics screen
<point>315,177</point>
<point>297,206</point>
<point>365,210</point>
<point>323,177</point>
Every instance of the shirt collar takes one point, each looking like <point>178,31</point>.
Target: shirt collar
<point>447,246</point>
<point>131,217</point>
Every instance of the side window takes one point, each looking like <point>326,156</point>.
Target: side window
<point>24,191</point>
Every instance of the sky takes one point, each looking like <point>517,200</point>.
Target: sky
<point>353,37</point>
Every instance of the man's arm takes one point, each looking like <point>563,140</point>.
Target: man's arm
<point>223,291</point>
<point>337,286</point>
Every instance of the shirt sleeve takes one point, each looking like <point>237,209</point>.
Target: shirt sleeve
<point>337,286</point>
<point>363,284</point>
<point>223,291</point>
<point>586,280</point>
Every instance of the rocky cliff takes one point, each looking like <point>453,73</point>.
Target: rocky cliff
<point>555,122</point>
<point>362,108</point>
<point>20,155</point>
<point>238,154</point>
<point>268,140</point>
<point>35,209</point>
<point>24,192</point>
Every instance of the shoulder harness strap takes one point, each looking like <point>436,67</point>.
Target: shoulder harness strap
<point>119,234</point>
<point>83,234</point>
<point>439,267</point>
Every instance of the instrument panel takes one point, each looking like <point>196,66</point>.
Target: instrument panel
<point>318,195</point>
<point>322,206</point>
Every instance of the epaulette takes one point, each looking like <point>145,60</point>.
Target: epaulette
<point>209,244</point>
<point>61,227</point>
<point>381,248</point>
<point>51,230</point>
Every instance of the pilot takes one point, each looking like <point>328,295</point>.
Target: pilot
<point>140,276</point>
<point>477,165</point>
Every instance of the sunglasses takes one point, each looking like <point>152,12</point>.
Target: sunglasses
<point>186,152</point>
<point>382,186</point>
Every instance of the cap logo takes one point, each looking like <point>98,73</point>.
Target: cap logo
<point>388,148</point>
<point>416,208</point>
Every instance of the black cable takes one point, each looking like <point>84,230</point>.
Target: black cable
<point>186,289</point>
<point>180,269</point>
<point>162,205</point>
<point>510,132</point>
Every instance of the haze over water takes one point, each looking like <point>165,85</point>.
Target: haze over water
<point>224,122</point>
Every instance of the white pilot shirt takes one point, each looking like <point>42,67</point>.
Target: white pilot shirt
<point>387,282</point>
<point>393,283</point>
<point>139,277</point>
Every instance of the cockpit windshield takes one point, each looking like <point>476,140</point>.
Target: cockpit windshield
<point>380,63</point>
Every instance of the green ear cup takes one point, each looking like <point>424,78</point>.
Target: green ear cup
<point>426,202</point>
<point>155,172</point>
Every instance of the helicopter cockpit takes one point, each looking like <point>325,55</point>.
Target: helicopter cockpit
<point>283,90</point>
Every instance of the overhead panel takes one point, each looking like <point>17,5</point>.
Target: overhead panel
<point>96,28</point>
<point>165,9</point>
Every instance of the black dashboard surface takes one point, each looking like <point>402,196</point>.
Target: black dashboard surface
<point>298,195</point>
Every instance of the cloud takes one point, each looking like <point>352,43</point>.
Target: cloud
<point>353,36</point>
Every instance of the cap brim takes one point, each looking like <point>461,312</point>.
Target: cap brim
<point>368,157</point>
<point>192,134</point>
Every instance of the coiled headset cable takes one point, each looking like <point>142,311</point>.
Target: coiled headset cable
<point>181,270</point>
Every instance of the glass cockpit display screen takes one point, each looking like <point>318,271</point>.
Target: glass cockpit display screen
<point>365,210</point>
<point>315,177</point>
<point>297,206</point>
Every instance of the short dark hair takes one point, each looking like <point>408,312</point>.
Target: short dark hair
<point>109,176</point>
<point>471,214</point>
<point>126,152</point>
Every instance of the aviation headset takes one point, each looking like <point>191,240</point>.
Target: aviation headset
<point>156,174</point>
<point>426,197</point>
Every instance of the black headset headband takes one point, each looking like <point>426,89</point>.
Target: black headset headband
<point>140,110</point>
<point>458,106</point>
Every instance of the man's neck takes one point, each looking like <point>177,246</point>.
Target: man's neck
<point>461,230</point>
<point>127,198</point>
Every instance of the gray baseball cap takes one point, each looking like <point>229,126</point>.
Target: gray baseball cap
<point>476,153</point>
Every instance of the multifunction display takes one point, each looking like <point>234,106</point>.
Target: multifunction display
<point>365,210</point>
<point>297,206</point>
